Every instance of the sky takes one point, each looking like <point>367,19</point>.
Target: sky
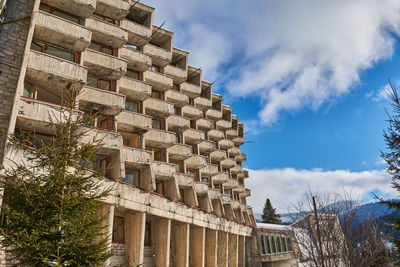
<point>308,78</point>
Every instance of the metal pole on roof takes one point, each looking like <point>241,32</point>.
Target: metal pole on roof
<point>151,37</point>
<point>321,255</point>
<point>191,74</point>
<point>135,3</point>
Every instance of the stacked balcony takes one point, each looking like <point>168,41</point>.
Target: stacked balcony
<point>193,136</point>
<point>179,152</point>
<point>204,124</point>
<point>138,23</point>
<point>204,101</point>
<point>234,151</point>
<point>240,158</point>
<point>163,170</point>
<point>228,163</point>
<point>159,138</point>
<point>103,65</point>
<point>220,178</point>
<point>116,9</point>
<point>111,141</point>
<point>158,80</point>
<point>209,170</point>
<point>225,144</point>
<point>215,135</point>
<point>135,157</point>
<point>158,107</point>
<point>177,98</point>
<point>134,89</point>
<point>196,162</point>
<point>207,146</point>
<point>184,180</point>
<point>106,33</point>
<point>101,101</point>
<point>218,155</point>
<point>160,47</point>
<point>81,8</point>
<point>129,121</point>
<point>191,112</point>
<point>137,60</point>
<point>177,123</point>
<point>215,112</point>
<point>177,69</point>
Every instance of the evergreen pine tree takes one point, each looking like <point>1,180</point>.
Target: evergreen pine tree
<point>269,214</point>
<point>50,211</point>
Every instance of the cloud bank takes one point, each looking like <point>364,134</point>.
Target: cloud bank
<point>286,186</point>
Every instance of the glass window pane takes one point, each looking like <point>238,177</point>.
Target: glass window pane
<point>132,177</point>
<point>67,16</point>
<point>132,106</point>
<point>132,74</point>
<point>28,90</point>
<point>44,8</point>
<point>156,94</point>
<point>156,124</point>
<point>262,244</point>
<point>95,46</point>
<point>107,50</point>
<point>105,85</point>
<point>36,47</point>
<point>51,50</point>
<point>92,81</point>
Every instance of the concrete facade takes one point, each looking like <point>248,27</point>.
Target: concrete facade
<point>180,196</point>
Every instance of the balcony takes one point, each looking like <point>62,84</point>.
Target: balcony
<point>192,113</point>
<point>190,89</point>
<point>161,57</point>
<point>184,180</point>
<point>61,32</point>
<point>234,151</point>
<point>196,162</point>
<point>238,141</point>
<point>215,135</point>
<point>158,108</point>
<point>231,184</point>
<point>131,121</point>
<point>159,138</point>
<point>214,114</point>
<point>225,144</point>
<point>223,125</point>
<point>201,188</point>
<point>231,134</point>
<point>159,81</point>
<point>178,75</point>
<point>106,33</point>
<point>177,123</point>
<point>163,170</point>
<point>116,9</point>
<point>134,89</point>
<point>240,189</point>
<point>54,72</point>
<point>103,65</point>
<point>193,136</point>
<point>248,192</point>
<point>204,124</point>
<point>240,158</point>
<point>246,174</point>
<point>220,177</point>
<point>218,155</point>
<point>228,163</point>
<point>136,60</point>
<point>179,152</point>
<point>207,146</point>
<point>226,199</point>
<point>209,170</point>
<point>177,98</point>
<point>203,103</point>
<point>236,169</point>
<point>135,157</point>
<point>81,8</point>
<point>137,34</point>
<point>101,101</point>
<point>214,193</point>
<point>111,141</point>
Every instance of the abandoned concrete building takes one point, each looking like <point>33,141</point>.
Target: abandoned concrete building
<point>173,146</point>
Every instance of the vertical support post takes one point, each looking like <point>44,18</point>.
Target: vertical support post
<point>162,236</point>
<point>211,248</point>
<point>321,255</point>
<point>197,241</point>
<point>222,249</point>
<point>233,250</point>
<point>180,243</point>
<point>241,251</point>
<point>135,230</point>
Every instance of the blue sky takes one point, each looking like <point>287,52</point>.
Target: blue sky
<point>308,80</point>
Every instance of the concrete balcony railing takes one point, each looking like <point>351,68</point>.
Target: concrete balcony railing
<point>158,108</point>
<point>161,57</point>
<point>116,9</point>
<point>163,170</point>
<point>101,101</point>
<point>240,174</point>
<point>240,189</point>
<point>246,174</point>
<point>177,123</point>
<point>221,177</point>
<point>179,152</point>
<point>193,136</point>
<point>55,72</point>
<point>158,80</point>
<point>103,65</point>
<point>231,184</point>
<point>236,169</point>
<point>111,141</point>
<point>214,193</point>
<point>248,192</point>
<point>215,135</point>
<point>226,199</point>
<point>61,32</point>
<point>159,138</point>
<point>228,163</point>
<point>191,112</point>
<point>207,146</point>
<point>81,8</point>
<point>135,157</point>
<point>204,124</point>
<point>203,103</point>
<point>177,98</point>
<point>107,33</point>
<point>184,180</point>
<point>238,141</point>
<point>201,188</point>
<point>223,125</point>
<point>209,170</point>
<point>190,89</point>
<point>240,158</point>
<point>137,60</point>
<point>235,204</point>
<point>214,114</point>
<point>231,134</point>
<point>234,151</point>
<point>218,155</point>
<point>134,89</point>
<point>178,75</point>
<point>137,34</point>
<point>129,121</point>
<point>225,144</point>
<point>196,162</point>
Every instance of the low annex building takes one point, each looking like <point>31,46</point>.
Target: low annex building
<point>173,145</point>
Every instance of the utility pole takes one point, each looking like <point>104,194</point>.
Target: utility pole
<point>321,255</point>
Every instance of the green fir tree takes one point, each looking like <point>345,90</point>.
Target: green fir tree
<point>269,214</point>
<point>50,212</point>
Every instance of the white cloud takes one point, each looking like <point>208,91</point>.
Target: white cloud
<point>291,54</point>
<point>286,186</point>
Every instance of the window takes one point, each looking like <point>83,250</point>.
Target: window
<point>278,244</point>
<point>273,244</point>
<point>118,235</point>
<point>147,236</point>
<point>194,173</point>
<point>156,68</point>
<point>217,186</point>
<point>178,111</point>
<point>103,18</point>
<point>194,150</point>
<point>289,243</point>
<point>193,124</point>
<point>262,244</point>
<point>133,47</point>
<point>132,139</point>
<point>103,48</point>
<point>158,153</point>
<point>268,245</point>
<point>106,85</point>
<point>157,94</point>
<point>59,13</point>
<point>132,177</point>
<point>104,122</point>
<point>134,106</point>
<point>157,124</point>
<point>283,241</point>
<point>206,180</point>
<point>103,163</point>
<point>182,193</point>
<point>236,196</point>
<point>29,90</point>
<point>178,165</point>
<point>55,51</point>
<point>191,101</point>
<point>134,74</point>
<point>176,87</point>
<point>160,187</point>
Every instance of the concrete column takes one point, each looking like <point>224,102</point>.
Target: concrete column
<point>222,249</point>
<point>197,240</point>
<point>241,251</point>
<point>135,228</point>
<point>107,211</point>
<point>180,243</point>
<point>161,237</point>
<point>211,248</point>
<point>232,250</point>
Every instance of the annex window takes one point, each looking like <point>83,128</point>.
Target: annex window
<point>118,230</point>
<point>105,49</point>
<point>283,241</point>
<point>59,13</point>
<point>268,244</point>
<point>137,75</point>
<point>262,244</point>
<point>55,51</point>
<point>289,244</point>
<point>278,244</point>
<point>134,106</point>
<point>273,244</point>
<point>132,177</point>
